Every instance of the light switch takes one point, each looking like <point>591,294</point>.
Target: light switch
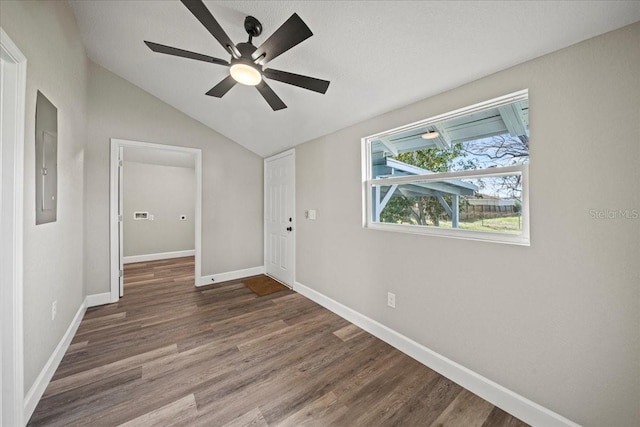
<point>183,217</point>
<point>312,214</point>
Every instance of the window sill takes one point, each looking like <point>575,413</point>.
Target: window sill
<point>482,236</point>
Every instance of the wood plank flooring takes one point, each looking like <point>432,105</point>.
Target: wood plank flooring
<point>170,354</point>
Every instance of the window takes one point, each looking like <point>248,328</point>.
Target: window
<point>461,174</point>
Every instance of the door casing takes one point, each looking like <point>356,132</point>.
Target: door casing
<point>12,121</point>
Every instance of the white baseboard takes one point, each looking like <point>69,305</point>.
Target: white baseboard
<point>98,299</point>
<point>42,381</point>
<point>229,275</point>
<point>158,256</point>
<point>511,402</point>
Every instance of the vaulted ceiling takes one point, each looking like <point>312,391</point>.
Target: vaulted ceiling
<point>378,55</point>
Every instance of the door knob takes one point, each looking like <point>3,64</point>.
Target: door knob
<point>289,229</point>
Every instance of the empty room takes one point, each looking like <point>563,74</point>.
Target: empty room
<point>323,213</point>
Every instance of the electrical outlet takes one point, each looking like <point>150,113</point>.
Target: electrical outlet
<point>54,310</point>
<point>391,300</point>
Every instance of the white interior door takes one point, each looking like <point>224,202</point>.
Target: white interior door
<point>279,221</point>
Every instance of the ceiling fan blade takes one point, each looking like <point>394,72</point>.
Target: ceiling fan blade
<point>160,48</point>
<point>305,82</point>
<point>290,34</point>
<point>205,17</point>
<point>270,96</point>
<point>222,88</point>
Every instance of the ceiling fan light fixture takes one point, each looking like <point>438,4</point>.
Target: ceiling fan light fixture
<point>245,74</point>
<point>430,135</point>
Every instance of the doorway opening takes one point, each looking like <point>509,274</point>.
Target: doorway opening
<point>173,171</point>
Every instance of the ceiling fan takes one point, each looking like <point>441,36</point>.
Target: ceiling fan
<point>247,61</point>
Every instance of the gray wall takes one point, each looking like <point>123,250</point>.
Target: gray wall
<point>557,322</point>
<point>166,192</point>
<point>89,97</point>
<point>231,177</point>
<point>47,34</point>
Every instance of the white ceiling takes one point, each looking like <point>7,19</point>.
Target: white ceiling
<point>378,55</point>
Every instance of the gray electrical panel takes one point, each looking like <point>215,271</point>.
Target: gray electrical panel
<point>46,167</point>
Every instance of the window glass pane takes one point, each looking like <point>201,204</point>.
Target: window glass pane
<point>494,137</point>
<point>491,203</point>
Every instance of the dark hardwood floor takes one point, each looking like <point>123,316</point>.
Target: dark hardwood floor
<point>171,354</point>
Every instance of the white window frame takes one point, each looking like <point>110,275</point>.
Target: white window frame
<point>368,183</point>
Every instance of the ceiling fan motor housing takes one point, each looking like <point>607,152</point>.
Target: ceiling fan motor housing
<point>246,49</point>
